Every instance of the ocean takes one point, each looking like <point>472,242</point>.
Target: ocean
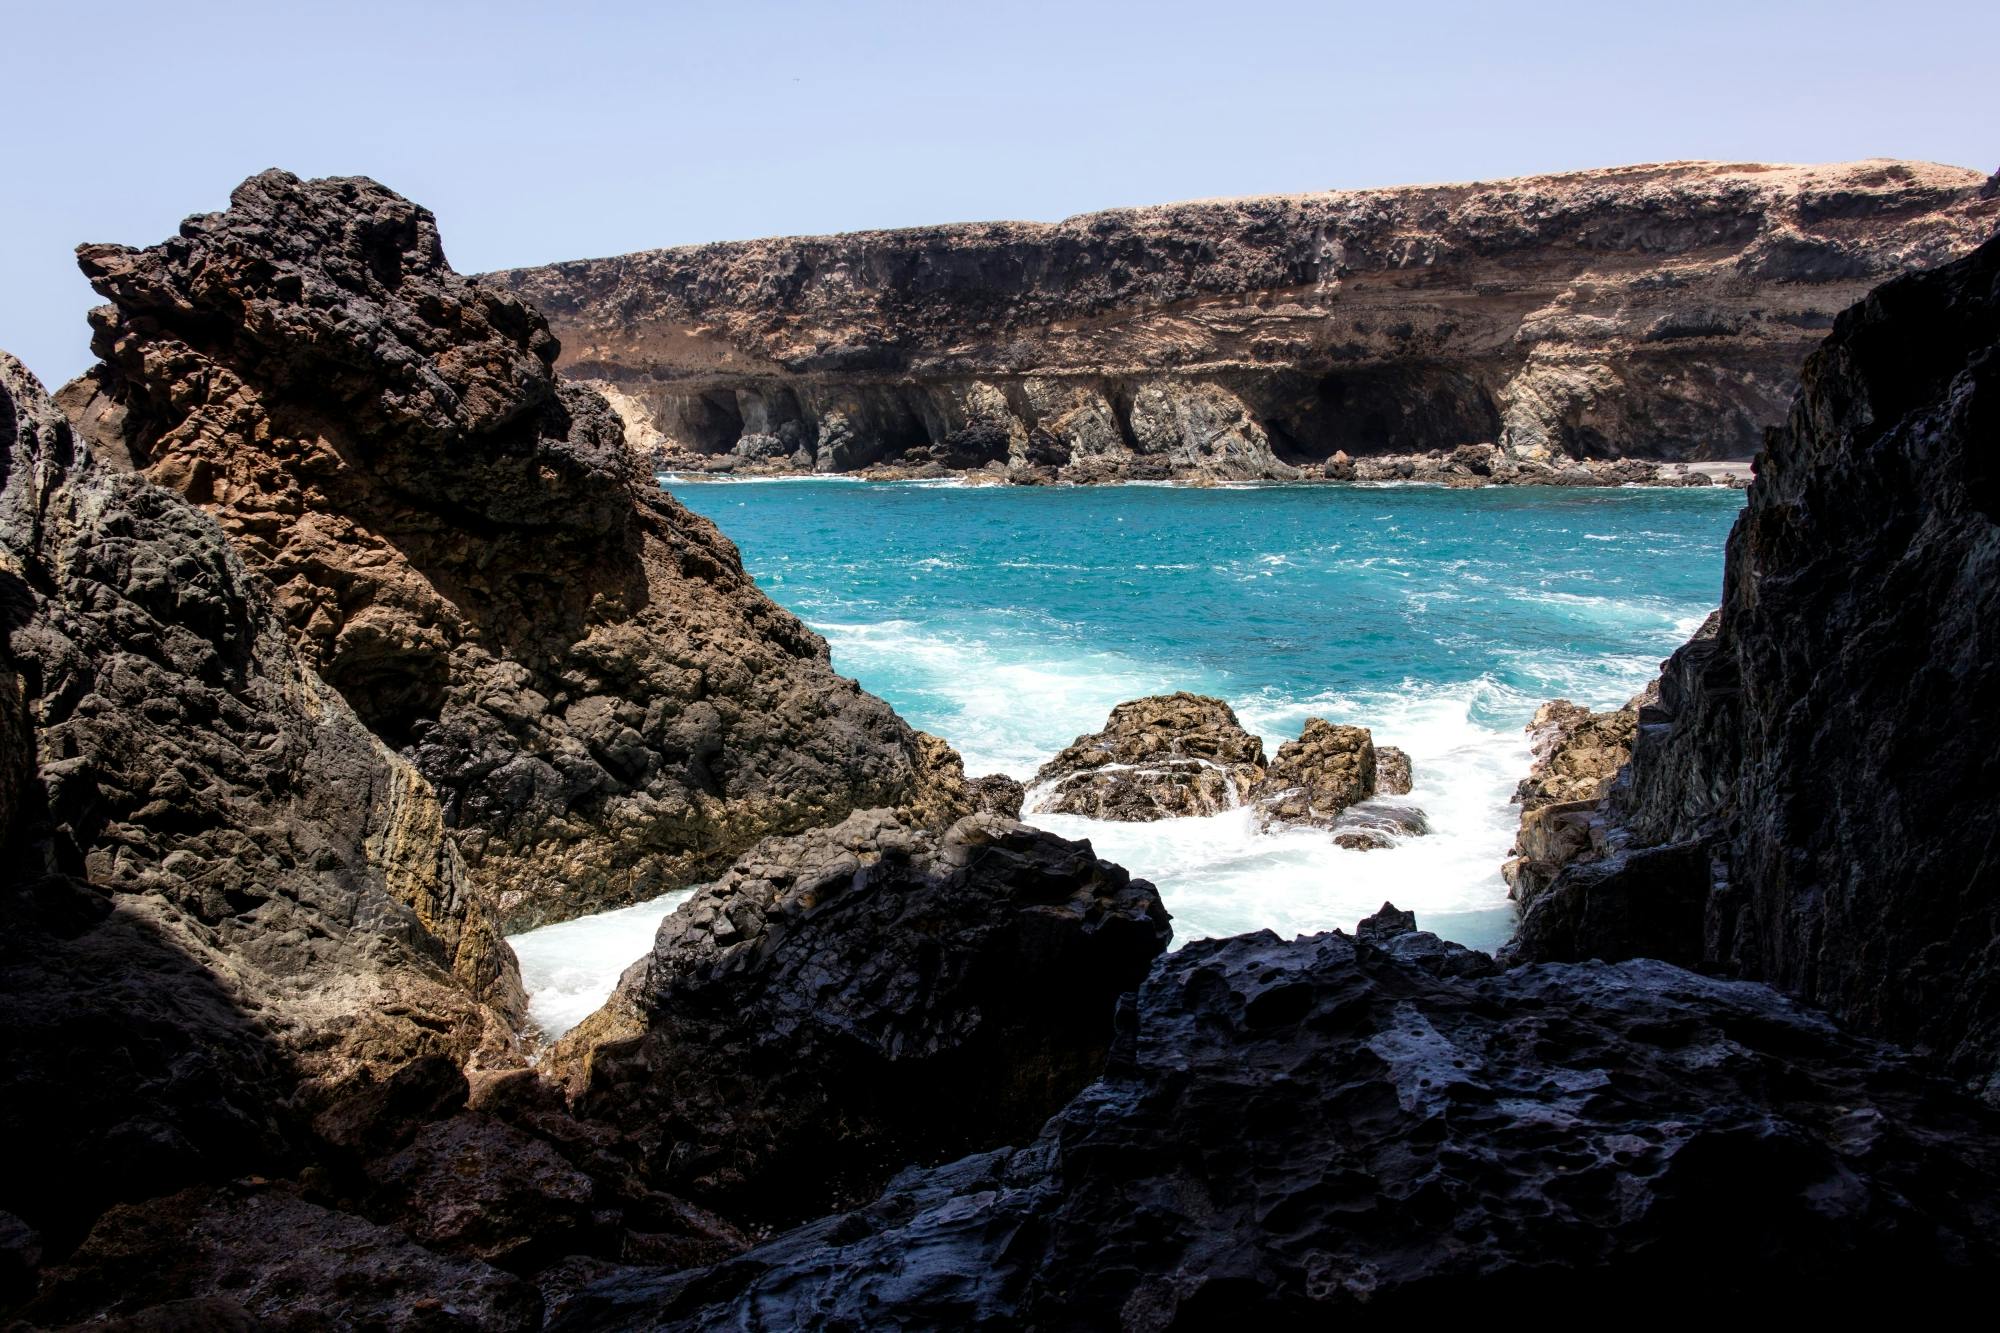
<point>1009,620</point>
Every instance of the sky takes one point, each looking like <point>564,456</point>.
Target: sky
<point>539,132</point>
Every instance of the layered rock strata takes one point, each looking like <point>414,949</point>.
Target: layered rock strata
<point>1382,1127</point>
<point>1640,313</point>
<point>853,999</point>
<point>1810,799</point>
<point>1171,756</point>
<point>463,547</point>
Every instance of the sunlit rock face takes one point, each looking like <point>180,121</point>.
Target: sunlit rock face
<point>1657,311</point>
<point>461,544</point>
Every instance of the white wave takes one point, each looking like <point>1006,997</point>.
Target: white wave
<point>570,969</point>
<point>1221,875</point>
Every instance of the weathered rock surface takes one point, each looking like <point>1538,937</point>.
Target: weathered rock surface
<point>1382,1127</point>
<point>1319,775</point>
<point>1170,756</point>
<point>234,925</point>
<point>1577,756</point>
<point>856,998</point>
<point>461,545</point>
<point>1160,757</point>
<point>1825,758</point>
<point>1630,313</point>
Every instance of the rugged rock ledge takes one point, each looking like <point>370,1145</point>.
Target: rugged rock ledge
<point>1382,1127</point>
<point>605,703</point>
<point>1649,311</point>
<point>1810,801</point>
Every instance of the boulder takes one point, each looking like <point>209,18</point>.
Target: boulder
<point>1316,777</point>
<point>1161,757</point>
<point>850,1000</point>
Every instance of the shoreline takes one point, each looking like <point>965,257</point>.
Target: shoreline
<point>1722,473</point>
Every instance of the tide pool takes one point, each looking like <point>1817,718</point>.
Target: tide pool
<point>1010,620</point>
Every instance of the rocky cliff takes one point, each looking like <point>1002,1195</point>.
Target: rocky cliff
<point>1653,311</point>
<point>1810,800</point>
<point>462,547</point>
<point>234,927</point>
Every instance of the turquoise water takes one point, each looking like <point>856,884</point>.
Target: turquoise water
<point>1009,621</point>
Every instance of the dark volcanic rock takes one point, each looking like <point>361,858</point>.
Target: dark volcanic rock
<point>233,922</point>
<point>1290,1132</point>
<point>264,1260</point>
<point>1525,330</point>
<point>1831,746</point>
<point>853,999</point>
<point>1156,758</point>
<point>462,546</point>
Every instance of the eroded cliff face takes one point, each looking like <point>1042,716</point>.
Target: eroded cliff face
<point>462,546</point>
<point>1654,311</point>
<point>1813,791</point>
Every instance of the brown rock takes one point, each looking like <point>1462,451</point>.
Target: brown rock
<point>1161,757</point>
<point>1316,777</point>
<point>1648,311</point>
<point>462,546</point>
<point>1392,771</point>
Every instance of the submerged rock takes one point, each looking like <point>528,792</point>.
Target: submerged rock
<point>461,544</point>
<point>1826,747</point>
<point>857,998</point>
<point>1292,1131</point>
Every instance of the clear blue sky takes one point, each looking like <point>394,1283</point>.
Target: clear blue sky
<point>554,131</point>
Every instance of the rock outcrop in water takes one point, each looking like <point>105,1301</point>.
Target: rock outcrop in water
<point>848,1001</point>
<point>1810,801</point>
<point>461,545</point>
<point>1161,757</point>
<point>1553,324</point>
<point>1380,1127</point>
<point>1171,756</point>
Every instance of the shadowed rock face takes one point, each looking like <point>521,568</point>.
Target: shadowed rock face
<point>1651,310</point>
<point>848,1001</point>
<point>233,921</point>
<point>1290,1131</point>
<point>1824,763</point>
<point>461,546</point>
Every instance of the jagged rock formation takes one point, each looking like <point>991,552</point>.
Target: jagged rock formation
<point>1381,1127</point>
<point>1170,756</point>
<point>853,999</point>
<point>1657,311</point>
<point>460,544</point>
<point>1577,756</point>
<point>235,930</point>
<point>1816,781</point>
